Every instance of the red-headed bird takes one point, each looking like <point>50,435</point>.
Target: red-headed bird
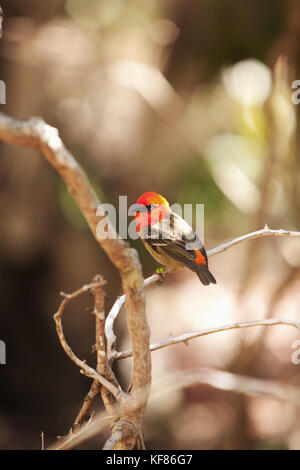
<point>166,236</point>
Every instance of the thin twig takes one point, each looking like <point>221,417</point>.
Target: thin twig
<point>92,428</point>
<point>265,232</point>
<point>82,416</point>
<point>100,343</point>
<point>99,314</point>
<point>218,329</point>
<point>109,325</point>
<point>102,366</point>
<point>86,370</point>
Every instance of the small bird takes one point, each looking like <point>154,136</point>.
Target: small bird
<point>166,236</point>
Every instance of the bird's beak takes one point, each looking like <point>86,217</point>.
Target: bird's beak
<point>137,208</point>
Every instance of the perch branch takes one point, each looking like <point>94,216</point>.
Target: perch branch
<point>109,332</point>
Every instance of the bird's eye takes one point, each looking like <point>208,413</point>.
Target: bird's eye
<point>150,207</point>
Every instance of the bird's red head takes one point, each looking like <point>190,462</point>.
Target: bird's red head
<point>154,199</point>
<point>149,209</point>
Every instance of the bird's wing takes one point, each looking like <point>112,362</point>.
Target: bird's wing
<point>172,237</point>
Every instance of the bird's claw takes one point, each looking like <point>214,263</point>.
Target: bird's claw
<point>161,273</point>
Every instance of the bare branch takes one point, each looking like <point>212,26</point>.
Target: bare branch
<point>92,428</point>
<point>86,370</point>
<point>102,365</point>
<point>37,134</point>
<point>100,343</point>
<point>109,324</point>
<point>99,313</point>
<point>265,232</point>
<point>188,336</point>
<point>114,439</point>
<point>111,317</point>
<point>123,437</point>
<point>82,416</point>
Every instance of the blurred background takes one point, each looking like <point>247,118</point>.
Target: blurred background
<point>189,98</point>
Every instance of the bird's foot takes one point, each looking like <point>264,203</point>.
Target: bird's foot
<point>161,273</point>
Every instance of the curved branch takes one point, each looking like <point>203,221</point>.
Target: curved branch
<point>86,370</point>
<point>37,134</point>
<point>111,317</point>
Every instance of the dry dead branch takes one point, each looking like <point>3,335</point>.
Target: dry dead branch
<point>37,134</point>
<point>186,337</point>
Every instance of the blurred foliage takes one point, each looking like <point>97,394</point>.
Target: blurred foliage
<point>197,185</point>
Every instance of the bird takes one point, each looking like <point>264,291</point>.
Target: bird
<point>166,236</point>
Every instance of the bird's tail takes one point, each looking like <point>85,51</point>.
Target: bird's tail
<point>205,275</point>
